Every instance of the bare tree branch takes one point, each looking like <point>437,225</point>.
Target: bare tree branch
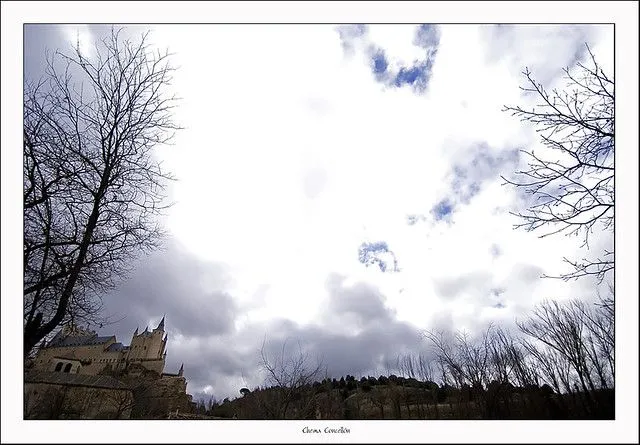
<point>92,188</point>
<point>574,192</point>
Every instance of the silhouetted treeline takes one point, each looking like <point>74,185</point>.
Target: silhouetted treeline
<point>559,366</point>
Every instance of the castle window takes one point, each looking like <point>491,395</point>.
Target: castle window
<point>58,367</point>
<point>67,368</point>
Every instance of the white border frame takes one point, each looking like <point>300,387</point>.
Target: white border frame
<point>625,17</point>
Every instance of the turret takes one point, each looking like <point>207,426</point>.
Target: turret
<point>161,325</point>
<point>181,371</point>
<point>136,332</point>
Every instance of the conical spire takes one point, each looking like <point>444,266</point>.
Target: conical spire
<point>181,371</point>
<point>146,329</point>
<point>161,325</point>
<point>136,332</point>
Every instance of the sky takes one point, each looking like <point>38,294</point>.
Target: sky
<point>339,190</point>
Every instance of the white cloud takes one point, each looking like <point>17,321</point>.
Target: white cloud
<point>294,155</point>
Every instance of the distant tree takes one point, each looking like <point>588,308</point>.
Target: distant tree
<point>293,373</point>
<point>572,181</point>
<point>211,403</point>
<point>244,391</point>
<point>576,333</point>
<point>91,187</point>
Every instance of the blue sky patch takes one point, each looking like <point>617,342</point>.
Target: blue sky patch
<point>415,75</point>
<point>442,210</point>
<point>379,64</point>
<point>378,254</point>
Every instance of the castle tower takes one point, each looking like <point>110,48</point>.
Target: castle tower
<point>161,325</point>
<point>149,347</point>
<point>181,371</point>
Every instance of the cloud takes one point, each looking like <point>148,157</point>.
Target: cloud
<point>516,46</point>
<point>190,291</point>
<point>361,302</point>
<point>314,180</point>
<point>495,250</point>
<point>452,287</point>
<point>349,34</point>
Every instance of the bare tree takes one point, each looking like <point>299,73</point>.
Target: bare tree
<point>580,336</point>
<point>92,189</point>
<point>121,402</point>
<point>292,375</point>
<point>572,184</point>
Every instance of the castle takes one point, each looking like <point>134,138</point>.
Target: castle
<point>81,375</point>
<point>80,351</point>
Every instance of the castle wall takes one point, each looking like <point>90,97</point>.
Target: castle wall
<point>89,355</point>
<point>145,350</point>
<point>157,398</point>
<point>51,401</point>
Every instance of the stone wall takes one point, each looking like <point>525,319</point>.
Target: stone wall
<point>158,397</point>
<point>133,393</point>
<point>62,401</point>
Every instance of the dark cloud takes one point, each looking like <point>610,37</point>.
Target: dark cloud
<point>232,360</point>
<point>361,301</point>
<point>191,292</point>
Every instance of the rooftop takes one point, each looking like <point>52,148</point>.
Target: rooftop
<point>80,340</point>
